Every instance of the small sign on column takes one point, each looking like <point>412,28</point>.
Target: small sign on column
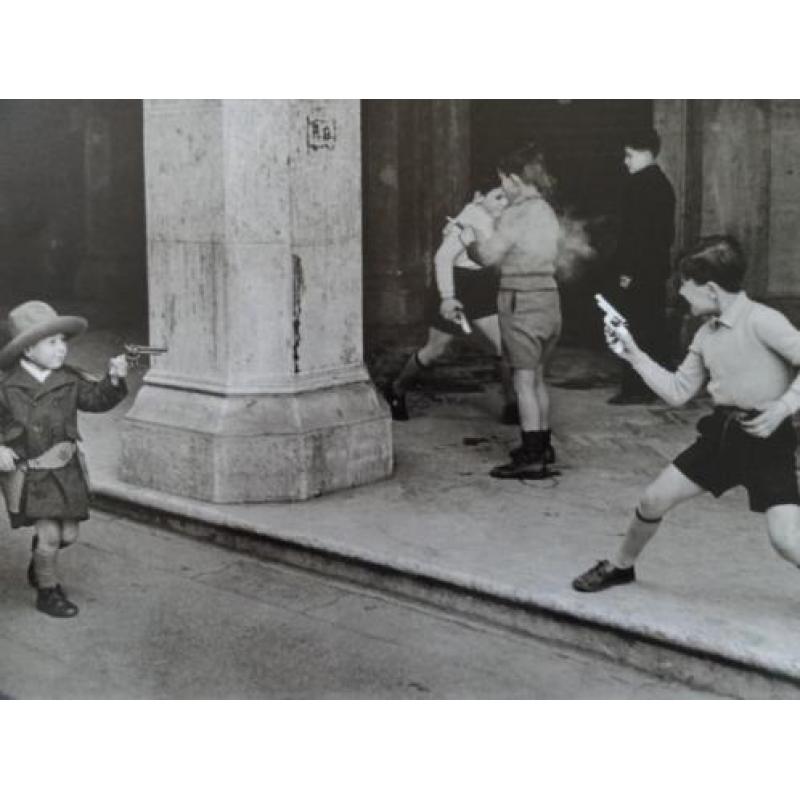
<point>320,134</point>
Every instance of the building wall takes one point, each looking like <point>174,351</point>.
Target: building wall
<point>741,175</point>
<point>72,194</point>
<point>415,171</point>
<point>420,160</point>
<point>72,205</point>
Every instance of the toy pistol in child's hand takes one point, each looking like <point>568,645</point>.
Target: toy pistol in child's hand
<point>134,352</point>
<point>462,321</point>
<point>612,319</point>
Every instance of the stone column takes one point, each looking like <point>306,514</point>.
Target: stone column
<point>254,272</point>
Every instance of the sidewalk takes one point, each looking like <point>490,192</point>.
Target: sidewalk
<point>709,582</point>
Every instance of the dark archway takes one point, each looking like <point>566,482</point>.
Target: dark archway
<point>420,157</point>
<point>72,222</point>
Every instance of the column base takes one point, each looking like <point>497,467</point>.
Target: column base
<point>256,448</point>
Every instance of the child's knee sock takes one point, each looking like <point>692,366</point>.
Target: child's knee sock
<point>640,532</point>
<point>410,371</point>
<point>45,564</point>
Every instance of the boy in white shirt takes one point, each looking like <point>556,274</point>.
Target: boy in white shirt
<point>750,354</point>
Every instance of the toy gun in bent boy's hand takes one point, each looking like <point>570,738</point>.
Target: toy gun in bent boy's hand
<point>134,352</point>
<point>612,319</point>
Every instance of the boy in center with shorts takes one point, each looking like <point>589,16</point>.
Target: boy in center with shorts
<point>523,249</point>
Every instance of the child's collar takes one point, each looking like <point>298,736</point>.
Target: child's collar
<point>732,311</point>
<point>41,374</point>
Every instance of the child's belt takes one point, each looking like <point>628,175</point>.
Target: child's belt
<point>12,483</point>
<point>57,456</point>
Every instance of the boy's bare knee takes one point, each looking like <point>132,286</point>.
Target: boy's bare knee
<point>785,548</point>
<point>652,503</point>
<point>783,527</point>
<point>69,534</point>
<point>786,543</point>
<point>48,535</point>
<point>431,352</point>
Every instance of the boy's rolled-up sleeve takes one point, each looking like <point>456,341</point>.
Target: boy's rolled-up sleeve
<point>675,388</point>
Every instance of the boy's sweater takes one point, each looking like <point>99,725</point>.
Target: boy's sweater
<point>750,355</point>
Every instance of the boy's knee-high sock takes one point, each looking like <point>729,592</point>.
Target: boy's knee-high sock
<point>639,533</point>
<point>45,564</point>
<point>506,381</point>
<point>410,371</point>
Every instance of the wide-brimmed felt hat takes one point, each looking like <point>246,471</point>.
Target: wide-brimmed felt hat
<point>31,322</point>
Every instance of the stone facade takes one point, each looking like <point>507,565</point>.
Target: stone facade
<point>254,264</point>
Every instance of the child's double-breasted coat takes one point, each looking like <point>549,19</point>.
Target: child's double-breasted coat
<point>35,416</point>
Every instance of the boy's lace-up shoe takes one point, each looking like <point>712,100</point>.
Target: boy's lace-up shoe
<point>523,466</point>
<point>397,403</point>
<point>603,575</point>
<point>549,454</point>
<point>53,602</point>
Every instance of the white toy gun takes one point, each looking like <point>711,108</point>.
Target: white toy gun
<point>463,322</point>
<point>612,319</point>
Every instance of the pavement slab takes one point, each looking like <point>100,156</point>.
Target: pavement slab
<point>709,582</point>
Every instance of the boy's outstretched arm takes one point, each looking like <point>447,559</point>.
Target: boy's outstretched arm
<point>675,388</point>
<point>96,396</point>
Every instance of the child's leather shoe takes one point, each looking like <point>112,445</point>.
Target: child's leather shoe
<point>397,403</point>
<point>53,602</point>
<point>603,575</point>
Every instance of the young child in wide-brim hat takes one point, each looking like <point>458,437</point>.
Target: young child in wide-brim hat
<point>43,475</point>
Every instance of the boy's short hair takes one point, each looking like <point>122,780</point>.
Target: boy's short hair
<point>528,163</point>
<point>643,139</point>
<point>484,184</point>
<point>714,258</point>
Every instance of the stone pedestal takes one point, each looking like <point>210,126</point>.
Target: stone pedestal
<point>254,273</point>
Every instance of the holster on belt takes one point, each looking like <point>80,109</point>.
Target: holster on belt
<point>12,483</point>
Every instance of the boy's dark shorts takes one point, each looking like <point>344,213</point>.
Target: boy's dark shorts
<point>476,290</point>
<point>724,456</point>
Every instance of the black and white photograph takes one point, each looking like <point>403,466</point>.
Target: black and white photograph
<point>393,397</point>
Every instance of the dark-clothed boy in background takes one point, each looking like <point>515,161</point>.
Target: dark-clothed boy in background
<point>642,262</point>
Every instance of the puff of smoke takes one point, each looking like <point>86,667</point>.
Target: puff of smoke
<point>575,250</point>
